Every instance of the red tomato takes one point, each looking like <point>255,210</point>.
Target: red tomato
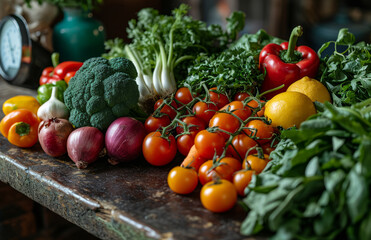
<point>241,180</point>
<point>157,150</point>
<point>241,96</point>
<point>226,122</point>
<point>255,163</point>
<point>184,143</point>
<point>208,143</point>
<point>205,111</point>
<point>194,124</point>
<point>259,129</point>
<point>240,145</point>
<point>237,108</point>
<point>267,149</point>
<point>155,123</point>
<point>183,95</point>
<point>166,109</point>
<point>223,171</point>
<point>182,180</point>
<point>219,98</point>
<point>219,196</point>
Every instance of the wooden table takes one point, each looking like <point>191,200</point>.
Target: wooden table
<point>126,201</point>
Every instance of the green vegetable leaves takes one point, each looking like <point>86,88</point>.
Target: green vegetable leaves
<point>317,185</point>
<point>347,72</point>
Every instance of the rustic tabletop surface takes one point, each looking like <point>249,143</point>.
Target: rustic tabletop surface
<point>126,201</point>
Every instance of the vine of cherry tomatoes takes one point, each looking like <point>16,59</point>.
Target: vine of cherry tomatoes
<point>224,143</point>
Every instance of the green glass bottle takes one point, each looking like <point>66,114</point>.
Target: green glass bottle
<point>78,36</point>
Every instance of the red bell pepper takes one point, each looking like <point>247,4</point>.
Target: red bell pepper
<point>286,63</point>
<point>59,70</point>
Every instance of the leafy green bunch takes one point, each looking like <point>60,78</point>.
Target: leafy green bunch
<point>234,69</point>
<point>318,184</point>
<point>347,71</point>
<point>163,46</point>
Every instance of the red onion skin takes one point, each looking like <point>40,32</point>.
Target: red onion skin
<point>53,134</point>
<point>84,145</point>
<point>123,140</point>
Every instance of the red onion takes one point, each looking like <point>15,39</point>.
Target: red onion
<point>84,145</point>
<point>124,139</point>
<point>53,134</point>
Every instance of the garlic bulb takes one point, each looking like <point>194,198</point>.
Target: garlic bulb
<point>53,108</point>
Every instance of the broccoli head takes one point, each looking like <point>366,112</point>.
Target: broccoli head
<point>101,91</point>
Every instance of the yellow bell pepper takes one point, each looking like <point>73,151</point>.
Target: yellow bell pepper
<point>21,102</point>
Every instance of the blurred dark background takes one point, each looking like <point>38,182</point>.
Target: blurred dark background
<point>321,19</point>
<point>21,218</point>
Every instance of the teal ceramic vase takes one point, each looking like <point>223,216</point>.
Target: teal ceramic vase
<point>78,36</point>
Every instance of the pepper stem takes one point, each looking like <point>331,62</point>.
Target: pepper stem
<point>55,59</point>
<point>295,34</point>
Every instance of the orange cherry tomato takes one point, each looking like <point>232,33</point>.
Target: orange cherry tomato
<point>255,163</point>
<point>226,122</point>
<point>218,196</point>
<point>237,108</point>
<point>259,129</point>
<point>182,180</point>
<point>233,162</point>
<point>241,180</point>
<point>254,104</point>
<point>223,171</point>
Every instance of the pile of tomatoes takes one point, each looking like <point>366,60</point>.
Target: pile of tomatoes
<point>224,143</point>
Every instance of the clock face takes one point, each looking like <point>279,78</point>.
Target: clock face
<point>10,48</point>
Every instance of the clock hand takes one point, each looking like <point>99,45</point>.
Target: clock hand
<point>11,48</point>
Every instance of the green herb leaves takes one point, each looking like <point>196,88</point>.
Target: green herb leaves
<point>318,184</point>
<point>347,73</point>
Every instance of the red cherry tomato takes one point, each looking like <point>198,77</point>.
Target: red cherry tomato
<point>240,145</point>
<point>241,96</point>
<point>155,123</point>
<point>183,95</point>
<point>205,111</point>
<point>157,150</point>
<point>208,143</point>
<point>219,98</point>
<point>184,143</point>
<point>194,124</point>
<point>166,109</point>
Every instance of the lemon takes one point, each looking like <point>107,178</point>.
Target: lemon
<point>289,109</point>
<point>311,87</point>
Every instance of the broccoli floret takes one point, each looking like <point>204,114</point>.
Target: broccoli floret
<point>101,91</point>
